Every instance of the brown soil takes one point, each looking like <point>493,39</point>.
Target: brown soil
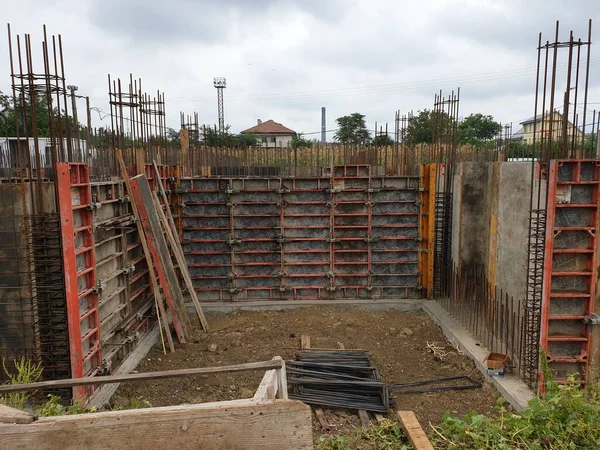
<point>243,336</point>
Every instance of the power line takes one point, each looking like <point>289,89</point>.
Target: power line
<point>358,90</point>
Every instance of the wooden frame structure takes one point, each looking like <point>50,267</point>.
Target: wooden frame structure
<point>268,420</point>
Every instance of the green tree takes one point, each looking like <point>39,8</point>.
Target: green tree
<point>352,129</point>
<point>383,140</point>
<point>11,116</point>
<point>428,126</point>
<point>477,129</point>
<point>300,142</point>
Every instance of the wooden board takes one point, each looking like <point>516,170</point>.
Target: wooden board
<point>241,424</point>
<point>161,375</point>
<point>414,432</point>
<point>158,300</point>
<point>142,195</point>
<point>12,415</point>
<point>180,258</point>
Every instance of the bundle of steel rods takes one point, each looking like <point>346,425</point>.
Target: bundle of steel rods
<point>337,378</point>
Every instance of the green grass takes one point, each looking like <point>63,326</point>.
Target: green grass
<point>387,435</point>
<point>568,418</point>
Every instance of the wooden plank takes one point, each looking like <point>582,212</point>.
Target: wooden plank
<point>102,396</point>
<point>282,391</point>
<point>278,424</point>
<point>305,341</point>
<point>322,420</point>
<point>414,432</point>
<point>364,418</point>
<point>12,415</point>
<point>162,314</point>
<point>180,258</point>
<point>379,417</point>
<point>267,389</point>
<point>273,364</point>
<point>140,191</point>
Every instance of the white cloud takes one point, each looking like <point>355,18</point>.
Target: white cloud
<point>285,59</point>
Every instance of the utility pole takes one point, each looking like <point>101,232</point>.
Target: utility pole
<point>220,83</point>
<point>73,89</point>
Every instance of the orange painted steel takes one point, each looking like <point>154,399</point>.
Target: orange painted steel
<point>76,206</point>
<point>570,267</point>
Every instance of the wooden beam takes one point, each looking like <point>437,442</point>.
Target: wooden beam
<point>12,415</point>
<point>161,313</point>
<point>267,389</point>
<point>102,395</point>
<point>273,425</point>
<point>305,341</point>
<point>364,418</point>
<point>55,384</point>
<point>414,432</point>
<point>148,216</point>
<point>180,258</point>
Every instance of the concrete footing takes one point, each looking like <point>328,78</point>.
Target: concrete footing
<point>514,391</point>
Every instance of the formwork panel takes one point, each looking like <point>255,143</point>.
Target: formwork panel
<point>570,267</point>
<point>349,236</point>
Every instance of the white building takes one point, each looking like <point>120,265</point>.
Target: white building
<point>271,134</point>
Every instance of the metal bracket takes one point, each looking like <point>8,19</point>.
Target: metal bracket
<point>125,199</point>
<point>333,240</point>
<point>129,269</point>
<point>99,287</point>
<point>372,190</point>
<point>335,191</point>
<point>94,206</point>
<point>418,202</point>
<point>283,191</point>
<point>371,239</point>
<point>420,239</point>
<point>231,191</point>
<point>592,319</point>
<point>332,289</point>
<point>281,239</point>
<point>234,290</point>
<point>234,241</point>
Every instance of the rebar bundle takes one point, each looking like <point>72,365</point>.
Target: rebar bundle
<point>341,379</point>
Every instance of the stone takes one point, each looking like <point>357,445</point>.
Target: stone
<point>212,347</point>
<point>407,331</point>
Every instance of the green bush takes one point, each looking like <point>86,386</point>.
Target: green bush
<point>568,418</point>
<point>26,372</point>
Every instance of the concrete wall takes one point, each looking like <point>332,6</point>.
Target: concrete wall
<point>491,221</point>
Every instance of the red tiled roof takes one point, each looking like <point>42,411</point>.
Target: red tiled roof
<point>269,127</point>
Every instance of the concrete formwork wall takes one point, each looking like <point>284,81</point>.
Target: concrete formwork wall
<point>16,284</point>
<point>491,221</point>
<point>302,238</point>
<point>125,299</point>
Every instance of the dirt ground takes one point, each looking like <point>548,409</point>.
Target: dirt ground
<point>397,342</point>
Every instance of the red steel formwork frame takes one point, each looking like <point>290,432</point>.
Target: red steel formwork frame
<point>76,206</point>
<point>570,267</point>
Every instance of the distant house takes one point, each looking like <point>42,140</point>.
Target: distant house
<point>542,123</point>
<point>271,134</point>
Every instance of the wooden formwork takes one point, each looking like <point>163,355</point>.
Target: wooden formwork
<point>268,420</point>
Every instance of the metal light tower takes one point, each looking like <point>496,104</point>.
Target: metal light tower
<point>220,84</point>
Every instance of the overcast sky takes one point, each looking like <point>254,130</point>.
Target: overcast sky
<point>285,59</point>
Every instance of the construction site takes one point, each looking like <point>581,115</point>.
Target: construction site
<point>187,296</point>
